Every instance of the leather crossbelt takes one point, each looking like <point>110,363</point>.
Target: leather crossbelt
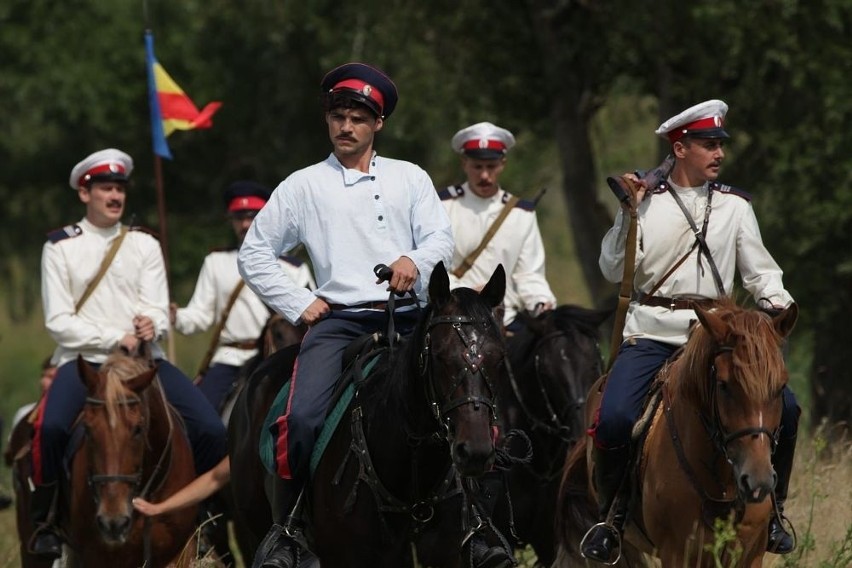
<point>676,303</point>
<point>241,344</point>
<point>372,305</point>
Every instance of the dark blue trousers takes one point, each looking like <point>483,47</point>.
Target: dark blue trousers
<point>67,396</point>
<point>627,387</point>
<point>217,383</point>
<point>318,368</point>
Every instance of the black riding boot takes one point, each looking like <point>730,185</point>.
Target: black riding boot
<point>45,541</point>
<point>278,549</point>
<point>780,541</point>
<point>482,554</point>
<point>603,539</point>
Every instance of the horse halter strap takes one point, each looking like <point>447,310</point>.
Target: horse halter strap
<point>473,358</point>
<point>97,479</point>
<point>721,438</point>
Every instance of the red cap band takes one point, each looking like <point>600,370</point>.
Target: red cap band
<point>249,202</point>
<point>110,168</point>
<point>703,124</point>
<point>364,88</point>
<point>484,145</point>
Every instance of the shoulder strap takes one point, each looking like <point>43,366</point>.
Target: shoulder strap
<point>625,291</point>
<point>113,249</point>
<point>468,261</point>
<point>217,333</point>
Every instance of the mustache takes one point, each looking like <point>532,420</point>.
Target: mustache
<point>345,137</point>
<point>114,203</point>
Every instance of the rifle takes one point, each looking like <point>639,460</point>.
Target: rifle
<point>625,190</point>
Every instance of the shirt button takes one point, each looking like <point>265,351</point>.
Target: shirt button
<point>372,178</point>
<point>375,196</point>
<point>381,217</point>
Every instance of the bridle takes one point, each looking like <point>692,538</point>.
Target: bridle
<point>716,430</point>
<point>443,403</point>
<point>135,480</point>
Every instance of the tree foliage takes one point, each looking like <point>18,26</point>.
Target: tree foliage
<point>72,80</point>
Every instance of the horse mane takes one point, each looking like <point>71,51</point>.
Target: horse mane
<point>757,359</point>
<point>118,368</point>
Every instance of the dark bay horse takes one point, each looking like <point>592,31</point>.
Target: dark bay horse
<point>707,451</point>
<point>555,358</point>
<point>387,481</point>
<point>133,445</point>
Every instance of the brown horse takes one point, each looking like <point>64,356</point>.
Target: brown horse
<point>132,445</point>
<point>707,451</point>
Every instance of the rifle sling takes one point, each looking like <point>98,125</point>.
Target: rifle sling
<point>107,260</point>
<point>468,261</point>
<point>217,333</point>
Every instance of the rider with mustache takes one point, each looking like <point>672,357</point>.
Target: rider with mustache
<point>90,317</point>
<point>352,211</point>
<point>673,273</point>
<point>473,208</point>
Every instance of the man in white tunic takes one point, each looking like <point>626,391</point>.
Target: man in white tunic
<point>90,317</point>
<point>659,317</point>
<point>218,280</point>
<point>473,208</point>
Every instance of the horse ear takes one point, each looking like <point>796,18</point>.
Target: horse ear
<point>786,320</point>
<point>494,291</point>
<point>712,323</point>
<point>141,382</point>
<point>88,375</point>
<point>439,284</point>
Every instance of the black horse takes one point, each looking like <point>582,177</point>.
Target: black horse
<point>388,487</point>
<point>554,358</point>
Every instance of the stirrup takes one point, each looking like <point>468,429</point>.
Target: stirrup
<point>613,531</point>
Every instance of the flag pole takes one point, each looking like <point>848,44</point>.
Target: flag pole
<point>164,245</point>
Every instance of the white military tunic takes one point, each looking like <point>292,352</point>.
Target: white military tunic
<point>664,237</point>
<point>216,282</point>
<point>517,245</point>
<point>135,284</point>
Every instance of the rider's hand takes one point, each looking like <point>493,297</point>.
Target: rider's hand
<point>404,275</point>
<point>641,189</point>
<point>129,343</point>
<point>144,328</point>
<point>315,311</point>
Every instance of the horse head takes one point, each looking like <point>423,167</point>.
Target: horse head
<point>743,392</point>
<point>115,419</point>
<point>463,358</point>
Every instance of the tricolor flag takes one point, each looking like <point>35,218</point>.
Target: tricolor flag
<point>171,108</point>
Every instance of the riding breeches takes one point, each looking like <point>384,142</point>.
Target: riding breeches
<point>627,386</point>
<point>67,395</point>
<point>217,383</point>
<point>315,375</point>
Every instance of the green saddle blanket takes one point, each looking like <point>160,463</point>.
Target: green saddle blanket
<point>279,405</point>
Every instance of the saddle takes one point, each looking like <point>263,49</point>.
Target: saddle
<point>359,360</point>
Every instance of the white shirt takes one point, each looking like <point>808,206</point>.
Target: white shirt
<point>349,221</point>
<point>517,245</point>
<point>664,236</point>
<point>135,284</point>
<point>216,282</point>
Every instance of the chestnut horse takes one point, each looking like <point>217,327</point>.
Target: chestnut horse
<point>707,450</point>
<point>132,445</point>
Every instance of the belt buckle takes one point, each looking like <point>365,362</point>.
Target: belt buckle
<point>672,304</point>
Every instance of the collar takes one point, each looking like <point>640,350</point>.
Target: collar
<point>699,189</point>
<point>107,232</point>
<point>350,176</point>
<point>498,197</point>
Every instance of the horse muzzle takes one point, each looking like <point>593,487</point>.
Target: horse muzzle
<point>114,528</point>
<point>755,488</point>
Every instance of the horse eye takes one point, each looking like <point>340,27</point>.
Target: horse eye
<point>723,386</point>
<point>137,430</point>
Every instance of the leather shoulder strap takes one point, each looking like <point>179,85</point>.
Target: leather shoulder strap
<point>217,333</point>
<point>468,261</point>
<point>113,249</point>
